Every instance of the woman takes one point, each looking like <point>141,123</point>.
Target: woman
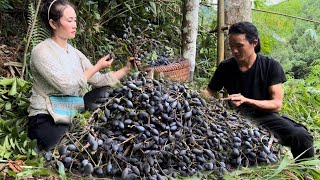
<point>59,68</point>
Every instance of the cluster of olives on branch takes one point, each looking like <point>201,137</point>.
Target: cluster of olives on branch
<point>137,41</point>
<point>158,129</point>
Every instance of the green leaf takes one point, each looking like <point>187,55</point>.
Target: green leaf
<point>317,144</point>
<point>97,16</point>
<point>34,162</point>
<point>17,145</point>
<point>6,143</point>
<point>6,81</point>
<point>14,132</point>
<point>7,155</point>
<point>11,173</point>
<point>10,114</point>
<point>5,97</point>
<point>284,163</point>
<point>12,143</point>
<point>13,90</point>
<point>34,153</point>
<point>8,106</point>
<point>61,170</point>
<point>21,82</point>
<point>315,173</point>
<point>153,7</point>
<point>310,162</point>
<point>25,143</point>
<point>34,172</point>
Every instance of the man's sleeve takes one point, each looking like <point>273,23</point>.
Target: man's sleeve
<point>276,74</point>
<point>216,82</point>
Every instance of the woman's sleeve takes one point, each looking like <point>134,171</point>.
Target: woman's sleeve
<point>98,79</point>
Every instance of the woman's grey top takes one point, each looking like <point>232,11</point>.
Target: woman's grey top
<point>57,71</point>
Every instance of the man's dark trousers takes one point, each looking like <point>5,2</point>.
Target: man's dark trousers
<point>289,133</point>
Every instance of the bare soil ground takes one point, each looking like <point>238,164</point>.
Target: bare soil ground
<point>13,30</point>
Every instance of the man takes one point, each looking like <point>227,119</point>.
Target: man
<point>254,84</point>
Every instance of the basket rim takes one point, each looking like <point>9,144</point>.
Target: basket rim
<point>184,63</point>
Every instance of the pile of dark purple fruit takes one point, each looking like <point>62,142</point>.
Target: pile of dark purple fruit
<point>157,129</point>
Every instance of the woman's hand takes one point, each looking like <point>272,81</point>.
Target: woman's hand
<point>104,62</point>
<point>131,63</point>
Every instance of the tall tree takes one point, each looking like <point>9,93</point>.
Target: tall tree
<point>189,32</point>
<point>236,11</point>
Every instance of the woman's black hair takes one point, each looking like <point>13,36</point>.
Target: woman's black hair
<point>55,12</point>
<point>250,31</point>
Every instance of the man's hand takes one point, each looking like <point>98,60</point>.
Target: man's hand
<point>236,99</point>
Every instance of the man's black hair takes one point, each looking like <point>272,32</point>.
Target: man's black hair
<point>250,31</point>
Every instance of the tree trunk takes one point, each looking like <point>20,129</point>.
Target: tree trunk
<point>236,11</point>
<point>190,10</point>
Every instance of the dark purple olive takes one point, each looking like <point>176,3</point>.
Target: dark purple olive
<point>146,168</point>
<point>209,166</point>
<point>197,151</point>
<point>170,99</point>
<point>132,86</point>
<point>131,176</point>
<point>266,149</point>
<point>127,121</point>
<point>173,128</point>
<point>129,95</point>
<point>120,108</point>
<point>251,133</point>
<point>71,147</point>
<point>48,156</point>
<point>67,161</point>
<point>109,168</point>
<point>129,104</point>
<point>256,133</point>
<point>84,162</point>
<point>140,128</point>
<point>248,144</point>
<point>244,131</point>
<point>99,171</point>
<point>135,170</point>
<point>100,142</point>
<point>125,173</point>
<point>237,144</point>
<point>87,169</point>
<point>62,149</point>
<point>235,152</point>
<point>187,115</point>
<point>107,112</point>
<point>94,145</point>
<point>143,115</point>
<point>135,75</point>
<point>203,102</point>
<point>209,153</point>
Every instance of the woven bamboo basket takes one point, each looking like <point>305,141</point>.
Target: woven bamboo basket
<point>179,71</point>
